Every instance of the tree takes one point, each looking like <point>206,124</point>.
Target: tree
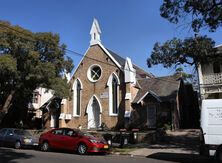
<point>201,13</point>
<point>29,60</point>
<point>185,76</point>
<point>191,51</point>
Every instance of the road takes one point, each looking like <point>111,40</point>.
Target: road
<point>9,155</point>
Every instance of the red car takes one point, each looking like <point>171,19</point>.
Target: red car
<point>72,139</point>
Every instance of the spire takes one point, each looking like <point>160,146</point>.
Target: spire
<point>95,33</point>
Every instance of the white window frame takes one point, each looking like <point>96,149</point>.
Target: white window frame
<point>109,84</point>
<point>35,97</point>
<point>89,73</point>
<point>74,88</point>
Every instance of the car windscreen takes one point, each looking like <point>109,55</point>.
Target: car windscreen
<point>22,132</point>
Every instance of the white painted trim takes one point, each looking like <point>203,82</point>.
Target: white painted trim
<point>95,22</point>
<point>109,84</point>
<point>107,52</point>
<point>149,92</point>
<point>100,106</point>
<point>100,109</point>
<point>53,121</point>
<point>95,33</point>
<point>75,82</point>
<point>74,88</point>
<point>89,73</point>
<point>79,64</point>
<point>142,97</point>
<point>104,49</point>
<point>111,77</point>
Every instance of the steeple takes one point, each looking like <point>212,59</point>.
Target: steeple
<point>95,33</point>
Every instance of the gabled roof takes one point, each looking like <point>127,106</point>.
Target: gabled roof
<point>140,73</point>
<point>161,88</point>
<point>120,62</point>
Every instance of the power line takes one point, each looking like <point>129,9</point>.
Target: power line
<point>68,50</point>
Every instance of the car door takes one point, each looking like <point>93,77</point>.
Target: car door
<point>2,136</point>
<point>9,139</point>
<point>70,139</point>
<point>56,139</point>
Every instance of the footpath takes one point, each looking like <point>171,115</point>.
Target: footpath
<point>180,141</point>
<point>178,146</point>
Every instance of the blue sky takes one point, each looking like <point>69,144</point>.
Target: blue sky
<point>129,27</point>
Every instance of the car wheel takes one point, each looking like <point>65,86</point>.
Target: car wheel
<point>45,147</point>
<point>18,145</point>
<point>82,149</point>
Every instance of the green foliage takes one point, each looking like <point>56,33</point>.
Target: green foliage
<point>7,65</point>
<point>191,51</point>
<point>204,13</point>
<point>29,60</point>
<point>164,125</point>
<point>167,126</point>
<point>185,76</point>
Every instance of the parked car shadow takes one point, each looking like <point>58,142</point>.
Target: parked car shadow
<point>9,155</point>
<point>182,158</point>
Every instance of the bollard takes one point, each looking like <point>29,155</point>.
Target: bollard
<point>134,135</point>
<point>124,136</point>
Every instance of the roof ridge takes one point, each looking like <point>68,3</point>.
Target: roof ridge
<point>135,65</point>
<point>157,77</point>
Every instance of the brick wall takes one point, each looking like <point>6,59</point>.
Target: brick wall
<point>96,88</point>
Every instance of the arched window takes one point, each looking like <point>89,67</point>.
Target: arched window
<point>77,90</point>
<point>114,94</point>
<point>113,84</point>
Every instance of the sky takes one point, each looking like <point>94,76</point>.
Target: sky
<point>129,27</point>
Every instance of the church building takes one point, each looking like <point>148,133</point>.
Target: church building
<point>110,91</point>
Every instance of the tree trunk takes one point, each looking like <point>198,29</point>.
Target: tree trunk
<point>6,106</point>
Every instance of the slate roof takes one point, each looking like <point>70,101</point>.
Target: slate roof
<point>162,88</point>
<point>140,73</point>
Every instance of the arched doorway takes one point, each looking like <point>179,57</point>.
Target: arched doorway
<point>94,113</point>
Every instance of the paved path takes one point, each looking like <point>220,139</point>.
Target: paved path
<point>179,142</point>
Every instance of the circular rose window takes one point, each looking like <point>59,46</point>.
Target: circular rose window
<point>94,73</point>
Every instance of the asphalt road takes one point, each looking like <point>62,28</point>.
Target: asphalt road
<point>9,155</point>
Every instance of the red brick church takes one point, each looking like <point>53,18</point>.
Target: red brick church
<point>108,90</point>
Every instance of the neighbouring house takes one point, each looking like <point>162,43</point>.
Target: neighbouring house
<point>110,91</point>
<point>41,98</point>
<point>165,101</point>
<point>210,78</point>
